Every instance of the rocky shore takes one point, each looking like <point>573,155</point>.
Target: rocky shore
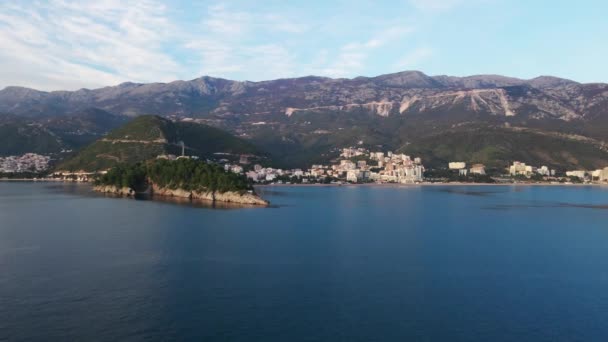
<point>213,196</point>
<point>114,190</point>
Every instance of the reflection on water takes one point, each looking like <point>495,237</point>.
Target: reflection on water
<point>468,192</point>
<point>546,205</point>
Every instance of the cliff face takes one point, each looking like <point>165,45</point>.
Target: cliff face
<point>214,196</point>
<point>156,190</point>
<point>114,190</point>
<point>235,197</point>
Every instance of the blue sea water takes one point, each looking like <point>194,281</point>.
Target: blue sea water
<point>476,263</point>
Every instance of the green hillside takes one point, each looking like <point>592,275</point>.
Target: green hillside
<point>147,136</point>
<point>311,137</point>
<point>17,138</point>
<point>50,135</point>
<point>187,174</point>
<point>499,146</point>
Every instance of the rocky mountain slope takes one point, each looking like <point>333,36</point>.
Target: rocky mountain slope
<point>300,120</point>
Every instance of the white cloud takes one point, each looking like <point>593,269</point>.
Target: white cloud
<point>412,59</point>
<point>352,57</point>
<point>69,44</point>
<point>233,48</point>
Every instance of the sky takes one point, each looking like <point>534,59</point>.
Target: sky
<point>68,44</point>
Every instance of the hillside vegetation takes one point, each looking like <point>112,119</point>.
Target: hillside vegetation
<point>51,135</point>
<point>186,174</point>
<point>146,137</point>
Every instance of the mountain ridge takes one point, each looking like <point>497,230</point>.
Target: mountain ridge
<point>300,120</point>
<point>221,79</point>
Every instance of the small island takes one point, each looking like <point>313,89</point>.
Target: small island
<point>183,178</point>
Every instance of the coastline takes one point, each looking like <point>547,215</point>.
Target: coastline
<point>234,197</point>
<point>398,185</point>
<point>41,180</point>
<point>53,180</point>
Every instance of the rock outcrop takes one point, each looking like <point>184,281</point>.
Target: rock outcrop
<point>114,190</point>
<point>160,191</point>
<point>248,198</point>
<point>214,196</point>
<point>241,198</point>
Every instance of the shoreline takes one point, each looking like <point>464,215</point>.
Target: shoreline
<point>235,197</point>
<point>48,180</point>
<point>398,185</point>
<point>51,180</point>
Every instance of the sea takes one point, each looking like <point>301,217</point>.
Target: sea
<point>336,263</point>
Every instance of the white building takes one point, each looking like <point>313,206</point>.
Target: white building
<point>457,165</point>
<point>252,175</point>
<point>604,175</point>
<point>351,176</point>
<point>236,169</point>
<point>478,169</point>
<point>521,169</point>
<point>544,171</point>
<point>577,173</point>
<point>410,174</point>
<point>347,165</point>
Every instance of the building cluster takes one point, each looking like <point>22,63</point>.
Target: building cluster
<point>79,176</point>
<point>29,162</point>
<point>518,168</point>
<point>461,167</point>
<point>355,165</point>
<point>360,165</point>
<point>599,175</point>
<point>397,168</point>
<point>521,169</point>
<point>266,174</point>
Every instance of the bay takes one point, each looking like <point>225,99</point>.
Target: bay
<point>367,263</point>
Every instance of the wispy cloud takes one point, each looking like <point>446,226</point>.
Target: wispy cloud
<point>412,59</point>
<point>69,44</point>
<point>353,56</point>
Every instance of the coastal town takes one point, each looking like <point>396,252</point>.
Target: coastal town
<point>353,165</point>
<point>359,165</point>
<point>27,163</point>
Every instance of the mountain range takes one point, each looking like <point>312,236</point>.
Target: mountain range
<point>486,118</point>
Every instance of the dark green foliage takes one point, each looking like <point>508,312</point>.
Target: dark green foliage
<point>19,135</point>
<point>103,155</point>
<point>147,136</point>
<point>145,128</point>
<point>187,174</point>
<point>17,138</point>
<point>125,176</point>
<point>22,175</point>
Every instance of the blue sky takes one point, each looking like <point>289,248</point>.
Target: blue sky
<point>67,44</point>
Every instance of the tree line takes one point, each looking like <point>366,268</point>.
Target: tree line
<point>187,174</point>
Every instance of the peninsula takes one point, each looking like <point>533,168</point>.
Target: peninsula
<point>184,178</point>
